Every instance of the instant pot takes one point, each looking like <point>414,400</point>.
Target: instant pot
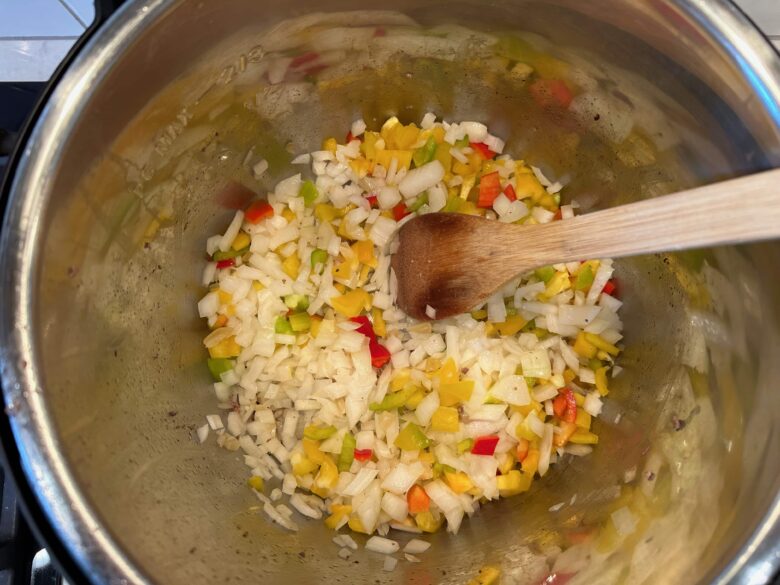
<point>110,195</point>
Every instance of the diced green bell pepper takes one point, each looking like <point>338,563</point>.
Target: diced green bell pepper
<point>300,322</point>
<point>411,438</point>
<point>425,153</point>
<point>393,400</point>
<point>282,326</point>
<point>545,273</point>
<point>464,445</point>
<point>584,278</point>
<point>319,433</point>
<point>347,455</point>
<point>318,256</point>
<point>297,302</point>
<point>218,366</point>
<point>419,202</point>
<point>309,193</point>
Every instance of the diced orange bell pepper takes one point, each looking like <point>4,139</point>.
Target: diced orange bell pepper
<point>417,499</point>
<point>489,189</point>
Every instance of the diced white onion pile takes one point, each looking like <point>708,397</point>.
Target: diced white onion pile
<point>282,383</point>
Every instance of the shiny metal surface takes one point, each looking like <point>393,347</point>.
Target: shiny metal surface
<point>101,355</point>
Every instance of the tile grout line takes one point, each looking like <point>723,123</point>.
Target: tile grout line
<point>73,13</point>
<point>41,38</point>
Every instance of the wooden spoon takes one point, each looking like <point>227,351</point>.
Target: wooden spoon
<point>454,262</point>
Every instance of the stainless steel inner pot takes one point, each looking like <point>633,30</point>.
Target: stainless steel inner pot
<point>103,367</point>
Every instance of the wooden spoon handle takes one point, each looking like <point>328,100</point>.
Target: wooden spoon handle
<point>733,211</point>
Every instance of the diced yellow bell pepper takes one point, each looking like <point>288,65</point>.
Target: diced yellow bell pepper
<point>531,462</point>
<point>512,325</point>
<point>368,146</point>
<point>414,400</point>
<point>256,483</point>
<point>344,270</point>
<point>526,409</point>
<point>602,344</point>
<point>242,241</point>
<point>227,348</point>
<point>224,296</point>
<point>445,419</point>
<point>288,214</point>
<point>316,323</point>
<point>557,284</point>
<point>380,327</point>
<point>583,347</point>
<point>361,166</point>
<point>329,144</point>
<point>400,380</point>
<point>327,477</point>
<point>488,575</point>
<point>364,251</point>
<point>548,202</point>
<point>398,136</point>
<point>356,525</point>
<point>479,315</point>
<point>312,451</point>
<point>449,372</point>
<point>527,185</point>
<point>506,461</point>
<point>337,513</point>
<point>465,188</point>
<point>326,213</point>
<point>458,481</point>
<point>438,133</point>
<point>257,285</point>
<point>583,419</point>
<point>426,457</point>
<point>456,392</point>
<point>302,465</point>
<point>351,304</point>
<point>523,431</point>
<point>568,375</point>
<point>444,156</point>
<point>513,483</point>
<point>427,522</point>
<point>291,266</point>
<point>601,381</point>
<point>403,158</point>
<point>582,437</point>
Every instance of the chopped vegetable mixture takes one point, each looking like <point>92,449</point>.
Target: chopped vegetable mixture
<point>369,418</point>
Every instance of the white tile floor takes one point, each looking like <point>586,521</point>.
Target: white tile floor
<point>35,35</point>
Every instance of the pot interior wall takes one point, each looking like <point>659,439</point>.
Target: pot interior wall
<point>122,252</point>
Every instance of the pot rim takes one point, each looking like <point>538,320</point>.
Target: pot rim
<point>40,468</point>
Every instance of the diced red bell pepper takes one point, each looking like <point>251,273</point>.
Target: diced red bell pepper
<point>380,355</point>
<point>551,93</point>
<point>234,195</point>
<point>485,445</point>
<point>611,288</point>
<point>483,150</point>
<point>372,201</point>
<point>351,137</point>
<point>363,454</point>
<point>226,263</point>
<point>400,211</point>
<point>417,499</point>
<point>258,211</point>
<point>489,189</point>
<point>303,59</point>
<point>559,405</point>
<point>509,191</point>
<point>558,215</point>
<point>366,328</point>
